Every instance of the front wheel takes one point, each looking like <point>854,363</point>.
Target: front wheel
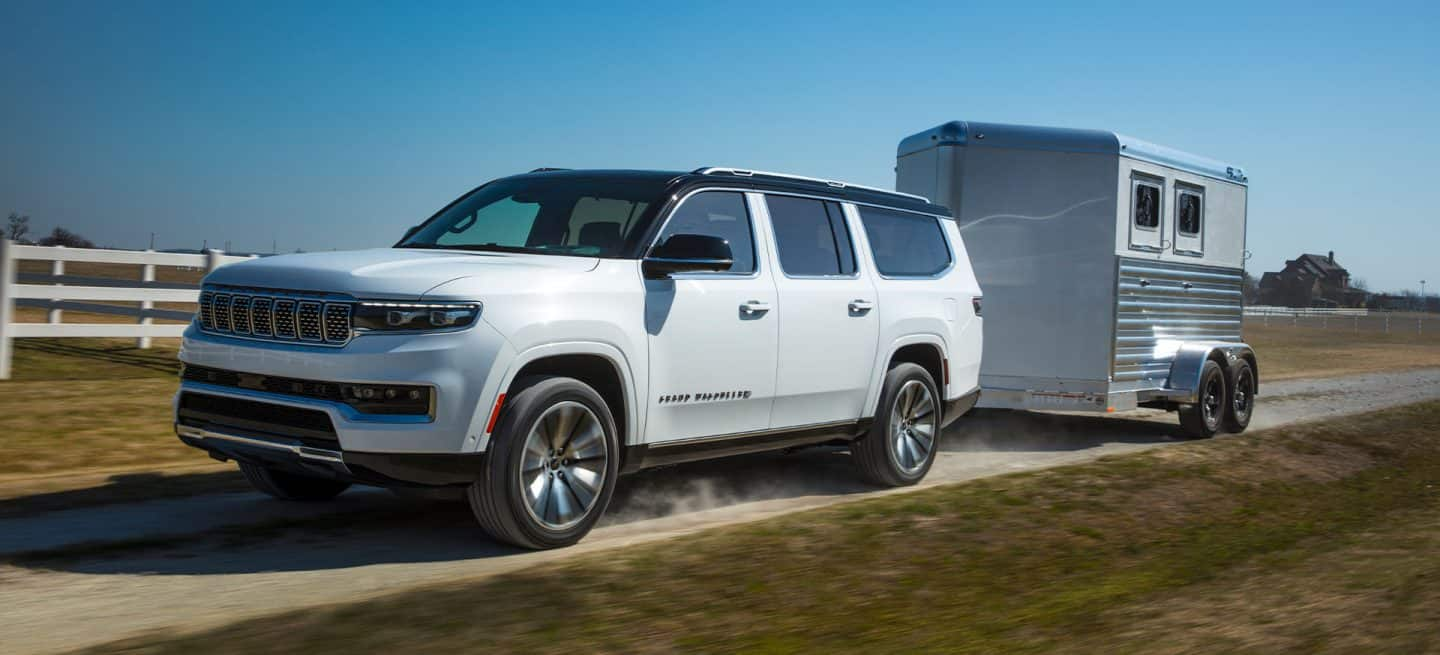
<point>905,437</point>
<point>553,462</point>
<point>1202,419</point>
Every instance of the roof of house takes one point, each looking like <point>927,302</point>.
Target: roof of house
<point>1318,265</point>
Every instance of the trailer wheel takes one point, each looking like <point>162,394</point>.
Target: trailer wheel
<point>291,486</point>
<point>1242,397</point>
<point>905,437</point>
<point>1202,419</point>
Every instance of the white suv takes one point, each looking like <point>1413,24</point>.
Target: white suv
<point>547,332</point>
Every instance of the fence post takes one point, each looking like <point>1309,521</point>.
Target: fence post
<point>1387,324</point>
<point>57,268</point>
<point>7,304</point>
<point>147,274</point>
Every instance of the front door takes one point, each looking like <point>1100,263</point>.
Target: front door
<point>830,328</point>
<point>713,336</point>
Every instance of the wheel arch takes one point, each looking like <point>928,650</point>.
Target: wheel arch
<point>926,350</point>
<point>1189,363</point>
<point>602,366</point>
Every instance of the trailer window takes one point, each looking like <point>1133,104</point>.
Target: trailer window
<point>811,236</point>
<point>1147,205</point>
<point>1188,211</point>
<point>905,244</point>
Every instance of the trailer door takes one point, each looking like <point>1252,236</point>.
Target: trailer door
<point>1147,213</point>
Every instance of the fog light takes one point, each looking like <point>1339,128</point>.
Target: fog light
<point>387,399</point>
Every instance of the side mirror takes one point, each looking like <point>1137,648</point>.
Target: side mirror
<point>684,253</point>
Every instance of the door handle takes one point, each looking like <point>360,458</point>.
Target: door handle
<point>858,305</point>
<point>753,307</point>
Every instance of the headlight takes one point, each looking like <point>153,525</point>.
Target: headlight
<point>413,317</point>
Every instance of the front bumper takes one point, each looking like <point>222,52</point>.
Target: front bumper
<point>380,469</point>
<point>463,368</point>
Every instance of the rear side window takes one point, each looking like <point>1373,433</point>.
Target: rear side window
<point>718,214</point>
<point>811,236</point>
<point>905,244</point>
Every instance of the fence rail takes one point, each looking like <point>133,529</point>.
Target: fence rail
<point>61,293</point>
<point>1269,310</point>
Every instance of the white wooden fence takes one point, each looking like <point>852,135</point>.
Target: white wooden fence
<point>61,292</point>
<point>1269,310</point>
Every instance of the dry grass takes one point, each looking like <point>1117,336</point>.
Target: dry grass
<point>1287,352</point>
<point>1124,554</point>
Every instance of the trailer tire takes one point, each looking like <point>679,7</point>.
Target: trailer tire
<point>889,454</point>
<point>1203,419</point>
<point>1241,395</point>
<point>291,486</point>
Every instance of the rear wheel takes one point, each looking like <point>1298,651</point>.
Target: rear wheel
<point>552,467</point>
<point>1242,397</point>
<point>291,486</point>
<point>1202,419</point>
<point>905,437</point>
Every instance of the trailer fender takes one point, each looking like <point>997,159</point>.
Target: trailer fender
<point>1184,383</point>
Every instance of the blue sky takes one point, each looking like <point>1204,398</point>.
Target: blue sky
<point>337,125</point>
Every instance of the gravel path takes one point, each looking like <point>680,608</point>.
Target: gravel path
<point>373,543</point>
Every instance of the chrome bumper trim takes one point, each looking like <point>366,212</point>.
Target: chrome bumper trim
<point>332,457</point>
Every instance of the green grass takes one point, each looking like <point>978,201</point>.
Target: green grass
<point>1086,558</point>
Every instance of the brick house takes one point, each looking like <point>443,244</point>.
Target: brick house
<point>1310,281</point>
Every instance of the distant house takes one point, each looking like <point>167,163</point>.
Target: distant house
<point>1310,281</point>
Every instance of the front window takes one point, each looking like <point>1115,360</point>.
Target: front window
<point>590,217</point>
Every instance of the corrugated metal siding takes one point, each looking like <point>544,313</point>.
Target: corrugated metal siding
<point>1161,304</point>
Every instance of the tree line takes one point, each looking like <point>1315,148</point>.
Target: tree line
<point>17,229</point>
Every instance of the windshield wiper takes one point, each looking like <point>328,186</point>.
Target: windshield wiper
<point>484,247</point>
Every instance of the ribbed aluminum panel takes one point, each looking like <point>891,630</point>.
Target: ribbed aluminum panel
<point>1161,305</point>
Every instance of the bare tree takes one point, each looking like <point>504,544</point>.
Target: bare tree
<point>1359,283</point>
<point>63,237</point>
<point>17,228</point>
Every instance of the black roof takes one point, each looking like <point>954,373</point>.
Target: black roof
<point>677,181</point>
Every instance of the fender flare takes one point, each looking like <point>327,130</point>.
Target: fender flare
<point>606,351</point>
<point>1185,369</point>
<point>883,357</point>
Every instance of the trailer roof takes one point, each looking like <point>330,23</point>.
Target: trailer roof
<point>1064,139</point>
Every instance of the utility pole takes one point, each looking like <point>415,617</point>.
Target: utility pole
<point>152,240</point>
<point>1424,306</point>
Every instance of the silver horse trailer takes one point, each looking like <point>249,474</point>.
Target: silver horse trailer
<point>1111,268</point>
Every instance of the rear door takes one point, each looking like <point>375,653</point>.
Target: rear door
<point>830,321</point>
<point>712,336</point>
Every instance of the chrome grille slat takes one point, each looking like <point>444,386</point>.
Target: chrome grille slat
<point>308,322</point>
<point>285,319</point>
<point>276,316</point>
<point>261,317</point>
<point>240,314</point>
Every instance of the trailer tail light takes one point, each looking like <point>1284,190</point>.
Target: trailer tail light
<point>975,302</point>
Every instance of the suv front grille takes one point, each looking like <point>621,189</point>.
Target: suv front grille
<point>276,316</point>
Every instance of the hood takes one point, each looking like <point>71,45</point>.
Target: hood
<point>389,272</point>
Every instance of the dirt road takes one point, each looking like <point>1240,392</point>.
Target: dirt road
<point>226,565</point>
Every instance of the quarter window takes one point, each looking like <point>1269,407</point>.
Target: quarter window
<point>718,214</point>
<point>905,244</point>
<point>1147,205</point>
<point>1189,210</point>
<point>811,236</point>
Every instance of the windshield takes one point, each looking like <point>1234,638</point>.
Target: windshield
<point>591,217</point>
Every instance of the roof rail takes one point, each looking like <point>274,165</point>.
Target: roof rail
<point>745,172</point>
<point>547,169</point>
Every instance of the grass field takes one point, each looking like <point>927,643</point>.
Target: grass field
<point>1318,538</point>
<point>1288,352</point>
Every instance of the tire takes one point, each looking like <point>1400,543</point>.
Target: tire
<point>291,486</point>
<point>532,449</point>
<point>1202,419</point>
<point>1242,397</point>
<point>902,443</point>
